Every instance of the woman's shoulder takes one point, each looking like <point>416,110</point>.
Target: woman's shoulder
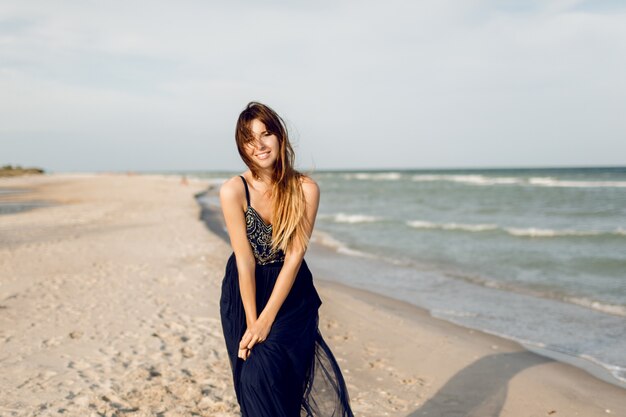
<point>232,182</point>
<point>306,179</point>
<point>309,186</point>
<point>232,188</point>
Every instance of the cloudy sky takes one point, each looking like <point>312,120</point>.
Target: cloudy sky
<point>158,85</point>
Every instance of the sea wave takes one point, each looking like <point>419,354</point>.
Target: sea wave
<point>421,224</point>
<point>518,232</point>
<point>618,372</point>
<point>607,308</point>
<point>536,232</point>
<point>553,182</point>
<point>614,309</point>
<point>467,179</point>
<point>486,180</point>
<point>349,218</point>
<point>327,240</point>
<point>375,176</point>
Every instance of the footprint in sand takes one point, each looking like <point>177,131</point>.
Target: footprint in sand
<point>340,337</point>
<point>371,351</point>
<point>52,342</point>
<point>413,381</point>
<point>331,324</point>
<point>376,363</point>
<point>187,352</point>
<point>78,365</point>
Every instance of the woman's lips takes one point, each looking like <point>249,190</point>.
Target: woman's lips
<point>263,155</point>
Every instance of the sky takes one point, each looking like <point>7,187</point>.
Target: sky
<point>158,85</point>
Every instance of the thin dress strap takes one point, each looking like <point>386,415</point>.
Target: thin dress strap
<point>247,192</point>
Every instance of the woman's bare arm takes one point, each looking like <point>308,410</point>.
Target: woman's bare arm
<point>287,275</point>
<point>231,195</point>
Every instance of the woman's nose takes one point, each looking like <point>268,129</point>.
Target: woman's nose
<point>260,145</point>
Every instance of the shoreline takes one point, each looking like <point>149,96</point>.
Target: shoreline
<point>417,314</point>
<point>397,358</point>
<point>214,222</point>
<point>590,365</point>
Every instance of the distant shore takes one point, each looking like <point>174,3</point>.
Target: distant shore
<point>15,171</point>
<point>109,303</point>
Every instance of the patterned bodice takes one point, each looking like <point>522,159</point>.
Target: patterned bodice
<point>260,235</point>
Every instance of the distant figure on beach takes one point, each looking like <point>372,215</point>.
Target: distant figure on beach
<point>183,180</point>
<point>281,365</point>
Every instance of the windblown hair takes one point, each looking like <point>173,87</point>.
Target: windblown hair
<point>288,200</point>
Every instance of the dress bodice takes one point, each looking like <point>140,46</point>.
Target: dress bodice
<point>260,235</point>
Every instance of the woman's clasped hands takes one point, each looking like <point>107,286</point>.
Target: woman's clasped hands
<point>255,333</point>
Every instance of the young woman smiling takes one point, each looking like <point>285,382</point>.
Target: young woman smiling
<point>282,367</point>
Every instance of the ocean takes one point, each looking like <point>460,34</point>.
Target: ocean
<point>533,255</point>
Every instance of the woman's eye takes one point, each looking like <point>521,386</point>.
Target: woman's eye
<point>268,134</point>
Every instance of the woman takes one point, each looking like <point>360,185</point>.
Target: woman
<point>269,306</point>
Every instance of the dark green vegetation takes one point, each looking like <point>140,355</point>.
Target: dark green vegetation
<point>13,171</point>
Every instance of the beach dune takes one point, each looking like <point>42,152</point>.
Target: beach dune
<point>109,306</point>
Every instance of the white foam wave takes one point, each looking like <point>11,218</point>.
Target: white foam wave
<point>327,240</point>
<point>420,224</point>
<point>618,372</point>
<point>486,180</point>
<point>375,176</point>
<point>613,309</point>
<point>468,179</point>
<point>520,232</point>
<point>350,218</point>
<point>553,182</point>
<point>536,232</point>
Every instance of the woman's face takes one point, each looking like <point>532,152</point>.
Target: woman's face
<point>264,149</point>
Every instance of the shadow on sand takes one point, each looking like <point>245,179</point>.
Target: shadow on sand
<point>480,389</point>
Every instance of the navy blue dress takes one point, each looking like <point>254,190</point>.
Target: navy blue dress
<point>293,373</point>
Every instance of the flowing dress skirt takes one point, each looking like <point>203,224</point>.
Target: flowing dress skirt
<point>293,373</point>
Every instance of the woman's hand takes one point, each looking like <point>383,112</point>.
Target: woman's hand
<point>254,334</point>
<point>243,353</point>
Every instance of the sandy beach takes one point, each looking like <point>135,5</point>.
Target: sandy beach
<point>109,306</point>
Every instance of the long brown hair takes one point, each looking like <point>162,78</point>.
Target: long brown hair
<point>288,201</point>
